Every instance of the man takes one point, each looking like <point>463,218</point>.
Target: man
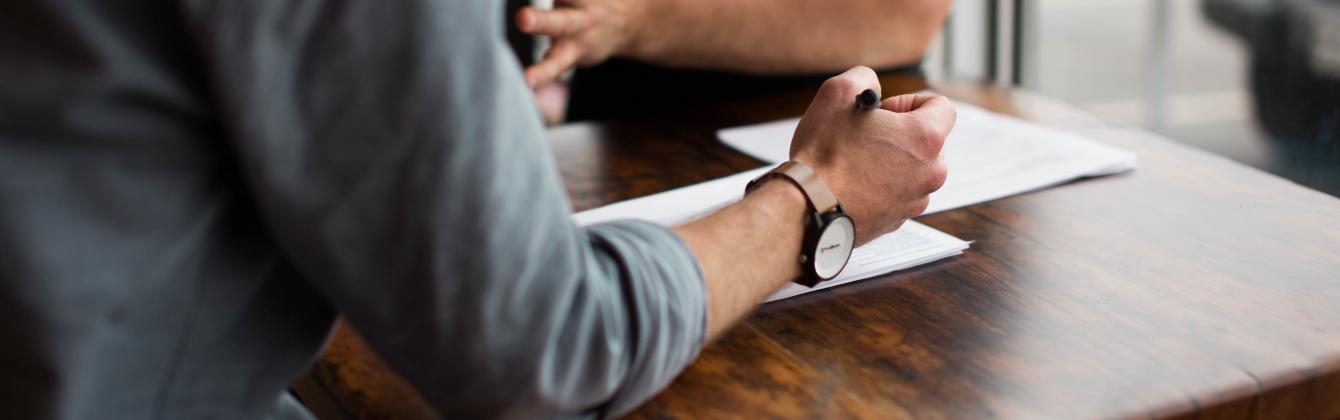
<point>192,191</point>
<point>682,53</point>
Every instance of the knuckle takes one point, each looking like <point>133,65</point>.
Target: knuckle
<point>932,135</point>
<point>841,84</point>
<point>939,173</point>
<point>920,206</point>
<point>931,131</point>
<point>849,83</point>
<point>863,72</point>
<point>951,112</point>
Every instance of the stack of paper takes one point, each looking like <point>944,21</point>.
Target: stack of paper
<point>989,156</point>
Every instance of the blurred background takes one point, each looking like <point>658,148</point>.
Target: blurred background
<point>1256,81</point>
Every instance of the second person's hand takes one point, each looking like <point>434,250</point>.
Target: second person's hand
<point>582,32</point>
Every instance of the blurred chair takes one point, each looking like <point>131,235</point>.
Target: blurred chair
<point>1295,63</point>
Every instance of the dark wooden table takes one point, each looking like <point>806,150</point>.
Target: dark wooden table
<point>1191,287</point>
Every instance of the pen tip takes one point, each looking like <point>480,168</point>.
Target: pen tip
<point>868,99</point>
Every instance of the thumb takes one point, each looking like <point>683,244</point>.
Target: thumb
<point>906,102</point>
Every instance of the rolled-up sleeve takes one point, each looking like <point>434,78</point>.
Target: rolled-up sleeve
<point>672,313</point>
<point>398,160</point>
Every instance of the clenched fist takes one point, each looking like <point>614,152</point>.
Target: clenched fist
<point>584,32</point>
<point>881,164</point>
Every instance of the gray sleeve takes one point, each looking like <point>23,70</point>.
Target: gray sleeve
<point>397,158</point>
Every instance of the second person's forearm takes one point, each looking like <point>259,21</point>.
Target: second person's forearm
<point>785,36</point>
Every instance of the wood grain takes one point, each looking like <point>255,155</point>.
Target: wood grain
<point>1193,287</point>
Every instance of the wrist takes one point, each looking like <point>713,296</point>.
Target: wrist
<point>784,212</point>
<point>781,199</point>
<point>637,25</point>
<point>829,235</point>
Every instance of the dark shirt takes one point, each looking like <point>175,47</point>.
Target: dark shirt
<point>621,88</point>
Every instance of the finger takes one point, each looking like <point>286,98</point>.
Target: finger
<point>559,59</point>
<point>936,109</point>
<point>903,103</point>
<point>558,22</point>
<point>934,115</point>
<point>939,173</point>
<point>552,99</point>
<point>845,86</point>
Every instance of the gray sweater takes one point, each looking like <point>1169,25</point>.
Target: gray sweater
<point>192,191</point>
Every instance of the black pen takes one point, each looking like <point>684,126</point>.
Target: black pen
<point>867,100</point>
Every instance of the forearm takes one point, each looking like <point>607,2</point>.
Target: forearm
<point>747,250</point>
<point>786,36</point>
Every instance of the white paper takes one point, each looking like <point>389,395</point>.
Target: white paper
<point>912,245</point>
<point>989,155</point>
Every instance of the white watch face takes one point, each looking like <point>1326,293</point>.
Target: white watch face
<point>835,245</point>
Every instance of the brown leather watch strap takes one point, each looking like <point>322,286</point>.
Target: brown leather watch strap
<point>820,197</point>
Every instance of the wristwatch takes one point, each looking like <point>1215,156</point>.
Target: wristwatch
<point>829,234</point>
